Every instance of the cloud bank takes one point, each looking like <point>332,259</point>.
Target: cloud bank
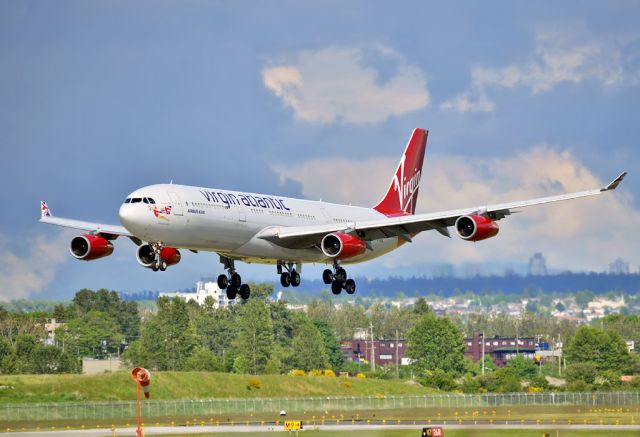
<point>24,275</point>
<point>560,56</point>
<point>350,85</point>
<point>583,234</point>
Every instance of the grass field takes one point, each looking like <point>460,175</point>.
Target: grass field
<point>190,385</point>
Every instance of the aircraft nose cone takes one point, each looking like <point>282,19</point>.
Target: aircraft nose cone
<point>126,215</point>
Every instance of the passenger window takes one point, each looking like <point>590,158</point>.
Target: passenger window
<point>127,200</point>
<point>136,200</point>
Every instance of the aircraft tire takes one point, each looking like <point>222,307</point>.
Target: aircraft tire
<point>327,276</point>
<point>350,286</point>
<point>231,292</point>
<point>236,281</point>
<point>341,275</point>
<point>295,278</point>
<point>285,279</point>
<point>245,291</point>
<point>336,287</point>
<point>223,282</point>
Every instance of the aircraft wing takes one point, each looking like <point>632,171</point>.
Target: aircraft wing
<point>94,228</point>
<point>297,237</point>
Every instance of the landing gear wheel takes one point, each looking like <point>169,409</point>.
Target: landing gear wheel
<point>154,267</point>
<point>236,281</point>
<point>231,292</point>
<point>223,282</point>
<point>163,266</point>
<point>285,279</point>
<point>295,278</point>
<point>350,286</point>
<point>245,291</point>
<point>327,276</point>
<point>341,275</point>
<point>336,287</point>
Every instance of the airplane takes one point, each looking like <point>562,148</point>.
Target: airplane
<point>256,228</point>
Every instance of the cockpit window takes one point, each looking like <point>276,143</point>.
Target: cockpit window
<point>127,200</point>
<point>136,200</point>
<point>145,200</point>
<point>151,201</point>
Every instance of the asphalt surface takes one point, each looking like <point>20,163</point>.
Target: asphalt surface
<point>168,430</point>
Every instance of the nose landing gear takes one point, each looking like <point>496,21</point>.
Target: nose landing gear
<point>232,281</point>
<point>291,277</point>
<point>338,280</point>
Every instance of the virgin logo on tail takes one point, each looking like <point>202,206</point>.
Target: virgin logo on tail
<point>406,188</point>
<point>402,194</point>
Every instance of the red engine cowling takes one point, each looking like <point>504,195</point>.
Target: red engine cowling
<point>474,227</point>
<point>89,247</point>
<point>146,256</point>
<point>341,246</point>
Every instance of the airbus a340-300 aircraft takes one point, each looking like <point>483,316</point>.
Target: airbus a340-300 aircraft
<point>282,231</point>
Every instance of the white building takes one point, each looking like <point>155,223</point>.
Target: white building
<point>204,289</point>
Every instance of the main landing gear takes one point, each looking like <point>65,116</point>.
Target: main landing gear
<point>338,280</point>
<point>291,276</point>
<point>232,282</point>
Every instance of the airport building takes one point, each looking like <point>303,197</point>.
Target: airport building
<point>501,349</point>
<point>380,352</point>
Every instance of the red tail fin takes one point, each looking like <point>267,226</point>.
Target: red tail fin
<point>402,194</point>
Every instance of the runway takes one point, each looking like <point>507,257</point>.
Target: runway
<point>169,430</point>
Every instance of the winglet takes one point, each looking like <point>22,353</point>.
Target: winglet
<point>614,184</point>
<point>44,209</point>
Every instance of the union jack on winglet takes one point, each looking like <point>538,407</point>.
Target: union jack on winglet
<point>44,209</point>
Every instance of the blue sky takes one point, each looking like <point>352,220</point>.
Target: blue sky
<point>316,100</point>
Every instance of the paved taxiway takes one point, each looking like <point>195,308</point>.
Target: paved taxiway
<point>168,430</point>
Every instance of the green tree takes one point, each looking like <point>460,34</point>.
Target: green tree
<point>522,367</point>
<point>605,349</point>
<point>436,343</point>
<point>95,334</point>
<point>124,313</point>
<point>331,345</point>
<point>203,359</point>
<point>167,339</point>
<point>585,372</point>
<point>309,349</point>
<point>254,340</point>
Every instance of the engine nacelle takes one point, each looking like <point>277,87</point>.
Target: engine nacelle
<point>146,256</point>
<point>341,246</point>
<point>474,227</point>
<point>89,247</point>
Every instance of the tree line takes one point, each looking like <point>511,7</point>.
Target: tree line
<point>263,336</point>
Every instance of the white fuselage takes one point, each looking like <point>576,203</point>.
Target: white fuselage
<point>227,222</point>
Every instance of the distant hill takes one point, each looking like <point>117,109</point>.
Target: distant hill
<point>564,283</point>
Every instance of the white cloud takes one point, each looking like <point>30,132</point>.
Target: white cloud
<point>24,275</point>
<point>582,234</point>
<point>352,85</point>
<point>560,56</point>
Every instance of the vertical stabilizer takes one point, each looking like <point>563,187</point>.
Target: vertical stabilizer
<point>402,194</point>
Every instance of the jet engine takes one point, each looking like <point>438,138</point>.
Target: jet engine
<point>474,227</point>
<point>89,247</point>
<point>341,246</point>
<point>147,257</point>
